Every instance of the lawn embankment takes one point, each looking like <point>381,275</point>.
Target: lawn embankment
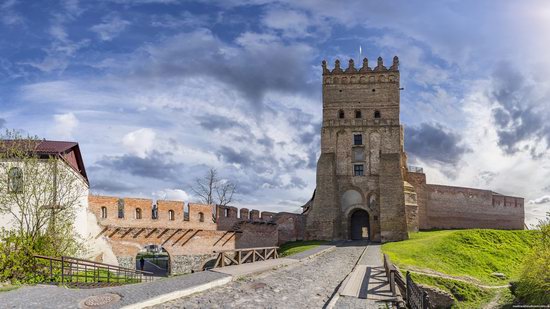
<point>294,247</point>
<point>475,253</point>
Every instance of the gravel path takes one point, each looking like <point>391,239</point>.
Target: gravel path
<point>309,284</point>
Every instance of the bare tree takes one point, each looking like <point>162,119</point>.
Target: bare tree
<point>39,193</point>
<point>212,190</point>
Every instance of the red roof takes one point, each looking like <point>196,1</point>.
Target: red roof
<point>67,151</point>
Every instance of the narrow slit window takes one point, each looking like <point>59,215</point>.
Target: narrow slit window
<point>201,217</point>
<point>103,212</point>
<point>138,213</point>
<point>171,215</point>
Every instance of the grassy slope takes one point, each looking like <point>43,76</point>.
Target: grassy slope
<point>294,247</point>
<point>468,295</point>
<point>476,253</point>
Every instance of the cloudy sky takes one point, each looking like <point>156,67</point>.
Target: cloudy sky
<point>158,91</point>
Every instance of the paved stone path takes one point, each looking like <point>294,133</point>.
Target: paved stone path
<point>309,284</point>
<point>367,285</point>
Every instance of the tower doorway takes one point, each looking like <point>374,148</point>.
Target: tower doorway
<point>359,225</point>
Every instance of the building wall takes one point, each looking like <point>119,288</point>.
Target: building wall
<point>189,241</point>
<point>365,90</point>
<point>449,207</point>
<point>454,207</point>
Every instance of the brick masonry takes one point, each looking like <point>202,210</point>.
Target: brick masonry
<point>366,102</point>
<point>189,238</point>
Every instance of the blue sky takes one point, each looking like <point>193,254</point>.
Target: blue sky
<point>158,91</point>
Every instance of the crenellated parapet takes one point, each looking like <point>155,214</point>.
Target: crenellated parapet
<point>362,75</point>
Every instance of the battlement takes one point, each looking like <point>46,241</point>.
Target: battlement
<point>361,75</point>
<point>140,212</point>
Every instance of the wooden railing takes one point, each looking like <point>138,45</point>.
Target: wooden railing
<point>242,256</point>
<point>414,296</point>
<point>81,273</point>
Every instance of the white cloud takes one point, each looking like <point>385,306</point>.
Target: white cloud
<point>172,194</point>
<point>139,142</point>
<point>110,28</point>
<point>292,23</point>
<point>64,125</point>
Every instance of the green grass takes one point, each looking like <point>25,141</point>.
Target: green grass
<point>466,295</point>
<point>294,247</point>
<point>8,287</point>
<point>476,253</point>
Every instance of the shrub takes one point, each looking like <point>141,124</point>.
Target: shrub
<point>534,283</point>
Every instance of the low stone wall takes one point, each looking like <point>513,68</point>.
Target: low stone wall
<point>438,299</point>
<point>184,264</point>
<point>126,261</point>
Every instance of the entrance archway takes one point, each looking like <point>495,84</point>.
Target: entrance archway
<point>359,225</point>
<point>155,259</point>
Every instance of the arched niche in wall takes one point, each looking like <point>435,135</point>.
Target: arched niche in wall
<point>351,198</point>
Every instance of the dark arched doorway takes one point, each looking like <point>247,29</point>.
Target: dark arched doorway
<point>154,259</point>
<point>359,225</point>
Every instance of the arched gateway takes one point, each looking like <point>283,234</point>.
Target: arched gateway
<point>359,225</point>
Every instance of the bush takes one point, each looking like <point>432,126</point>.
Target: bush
<point>17,264</point>
<point>534,283</point>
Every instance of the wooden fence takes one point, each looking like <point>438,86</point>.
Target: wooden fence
<point>413,296</point>
<point>242,256</point>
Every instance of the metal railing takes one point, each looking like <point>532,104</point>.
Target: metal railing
<point>81,273</point>
<point>413,296</point>
<point>242,256</point>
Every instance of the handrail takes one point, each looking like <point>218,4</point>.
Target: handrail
<point>78,272</point>
<point>245,255</point>
<point>245,249</point>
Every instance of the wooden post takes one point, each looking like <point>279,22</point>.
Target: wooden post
<point>62,269</point>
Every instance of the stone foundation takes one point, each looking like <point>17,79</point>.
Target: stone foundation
<point>184,264</point>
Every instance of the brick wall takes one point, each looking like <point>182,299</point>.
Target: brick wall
<point>456,207</point>
<point>393,224</point>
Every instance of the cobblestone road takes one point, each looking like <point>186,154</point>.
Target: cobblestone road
<point>308,284</point>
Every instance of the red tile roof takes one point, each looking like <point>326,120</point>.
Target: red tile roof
<point>68,151</point>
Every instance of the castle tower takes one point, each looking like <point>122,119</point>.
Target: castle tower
<point>359,191</point>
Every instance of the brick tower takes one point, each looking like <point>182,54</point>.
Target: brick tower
<point>360,171</point>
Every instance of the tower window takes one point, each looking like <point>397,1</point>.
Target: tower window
<point>357,139</point>
<point>120,208</point>
<point>341,114</point>
<point>357,114</point>
<point>155,212</point>
<point>103,212</point>
<point>377,114</point>
<point>138,213</point>
<point>201,217</point>
<point>358,170</point>
<point>171,215</point>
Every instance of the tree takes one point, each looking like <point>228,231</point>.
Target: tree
<point>212,190</point>
<point>40,193</point>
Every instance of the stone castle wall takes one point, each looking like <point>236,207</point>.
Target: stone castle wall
<point>189,238</point>
<point>448,207</point>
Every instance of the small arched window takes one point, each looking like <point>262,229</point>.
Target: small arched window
<point>155,212</point>
<point>341,114</point>
<point>201,217</point>
<point>377,114</point>
<point>138,213</point>
<point>103,212</point>
<point>15,180</point>
<point>357,114</point>
<point>120,208</point>
<point>171,215</point>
